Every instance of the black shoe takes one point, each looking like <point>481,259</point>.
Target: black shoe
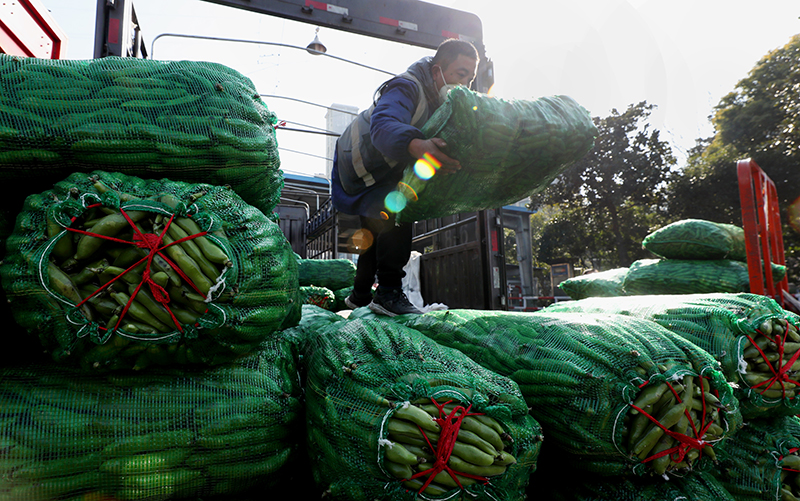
<point>355,300</point>
<point>392,302</point>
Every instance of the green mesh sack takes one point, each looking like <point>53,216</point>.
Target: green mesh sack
<point>754,339</point>
<point>603,387</point>
<point>692,487</point>
<point>602,284</point>
<point>672,276</point>
<point>186,120</point>
<point>318,296</point>
<point>66,434</point>
<point>761,461</point>
<point>330,273</point>
<point>683,276</point>
<point>385,405</point>
<point>314,319</point>
<point>697,239</point>
<point>341,295</point>
<point>112,271</point>
<point>508,150</point>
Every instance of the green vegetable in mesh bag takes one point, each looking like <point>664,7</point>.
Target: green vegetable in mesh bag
<point>761,461</point>
<point>604,387</point>
<point>313,319</point>
<point>330,273</point>
<point>393,415</point>
<point>601,284</point>
<point>112,271</point>
<point>341,295</point>
<point>754,339</point>
<point>165,434</point>
<point>693,486</point>
<point>318,296</point>
<point>187,120</point>
<point>683,276</point>
<point>508,150</point>
<point>697,239</point>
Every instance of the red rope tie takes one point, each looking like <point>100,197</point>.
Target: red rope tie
<point>153,243</point>
<point>685,442</point>
<point>450,424</point>
<point>781,376</point>
<point>793,450</point>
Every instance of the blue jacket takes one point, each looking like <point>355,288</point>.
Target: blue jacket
<point>372,152</point>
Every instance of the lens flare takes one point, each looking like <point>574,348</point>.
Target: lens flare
<point>395,201</point>
<point>426,166</point>
<point>407,191</point>
<point>362,239</point>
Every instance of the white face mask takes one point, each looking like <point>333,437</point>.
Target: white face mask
<point>446,87</point>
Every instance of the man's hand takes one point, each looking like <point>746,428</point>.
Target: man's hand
<point>418,147</point>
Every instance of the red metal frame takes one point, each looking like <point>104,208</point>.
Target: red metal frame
<point>28,29</point>
<point>761,220</point>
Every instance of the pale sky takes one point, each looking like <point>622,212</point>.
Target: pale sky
<point>680,55</point>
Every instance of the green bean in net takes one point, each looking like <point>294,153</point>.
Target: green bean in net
<point>754,339</point>
<point>762,461</point>
<point>190,121</point>
<point>619,395</point>
<point>387,409</point>
<point>508,150</point>
<point>112,271</point>
<point>187,433</point>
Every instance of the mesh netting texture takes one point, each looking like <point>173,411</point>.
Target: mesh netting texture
<point>691,487</point>
<point>508,150</point>
<point>761,461</point>
<point>392,415</point>
<point>318,296</point>
<point>186,120</point>
<point>341,295</point>
<point>112,271</point>
<point>754,339</point>
<point>620,395</point>
<point>690,276</point>
<point>161,435</point>
<point>333,274</point>
<point>601,284</point>
<point>697,239</point>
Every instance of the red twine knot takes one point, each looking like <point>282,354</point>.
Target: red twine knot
<point>149,241</point>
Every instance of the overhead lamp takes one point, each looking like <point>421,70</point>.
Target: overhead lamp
<point>316,47</point>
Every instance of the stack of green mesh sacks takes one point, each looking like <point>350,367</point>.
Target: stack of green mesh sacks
<point>758,345</point>
<point>617,397</point>
<point>186,120</point>
<point>695,256</point>
<point>390,414</point>
<point>753,338</point>
<point>160,302</point>
<point>160,434</point>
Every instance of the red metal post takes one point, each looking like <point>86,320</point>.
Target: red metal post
<point>762,229</point>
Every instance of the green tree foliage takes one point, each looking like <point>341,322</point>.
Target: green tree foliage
<point>707,187</point>
<point>759,119</point>
<point>611,198</point>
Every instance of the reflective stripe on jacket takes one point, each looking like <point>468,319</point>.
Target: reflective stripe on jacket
<point>360,164</point>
